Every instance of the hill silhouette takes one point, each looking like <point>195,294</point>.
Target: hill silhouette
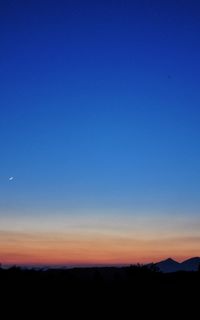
<point>170,265</point>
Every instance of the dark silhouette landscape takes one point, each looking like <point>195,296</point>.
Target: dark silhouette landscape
<point>137,288</point>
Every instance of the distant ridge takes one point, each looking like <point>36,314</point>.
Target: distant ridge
<point>170,265</point>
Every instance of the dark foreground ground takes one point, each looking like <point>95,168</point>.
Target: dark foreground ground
<point>99,293</point>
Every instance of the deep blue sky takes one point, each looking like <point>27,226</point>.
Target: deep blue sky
<point>100,105</point>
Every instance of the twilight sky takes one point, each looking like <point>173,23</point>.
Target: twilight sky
<point>99,126</point>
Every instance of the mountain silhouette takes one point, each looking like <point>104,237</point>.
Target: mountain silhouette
<point>192,264</point>
<point>170,265</point>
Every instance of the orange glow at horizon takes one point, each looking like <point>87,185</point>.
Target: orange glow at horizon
<point>88,241</point>
<point>70,250</point>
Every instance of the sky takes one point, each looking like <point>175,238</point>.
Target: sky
<point>99,128</point>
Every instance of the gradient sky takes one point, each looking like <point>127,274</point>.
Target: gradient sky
<point>99,126</point>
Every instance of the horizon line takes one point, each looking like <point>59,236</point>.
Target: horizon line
<point>86,265</point>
